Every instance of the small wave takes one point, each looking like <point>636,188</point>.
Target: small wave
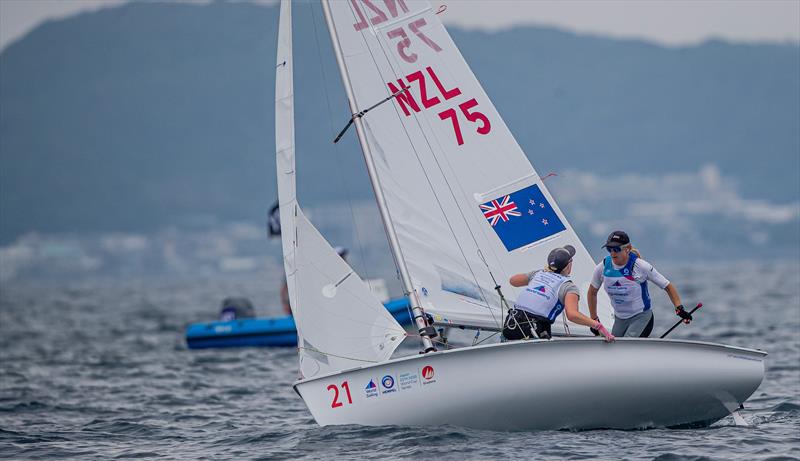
<point>677,457</point>
<point>787,407</point>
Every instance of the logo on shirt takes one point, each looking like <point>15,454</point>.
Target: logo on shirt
<point>616,284</point>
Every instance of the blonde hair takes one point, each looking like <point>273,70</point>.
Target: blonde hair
<point>634,250</point>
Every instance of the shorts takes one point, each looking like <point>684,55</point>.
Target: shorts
<point>638,326</point>
<point>521,325</point>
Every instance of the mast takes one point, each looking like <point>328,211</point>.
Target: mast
<point>426,332</point>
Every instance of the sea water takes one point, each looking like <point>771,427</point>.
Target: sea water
<point>98,369</point>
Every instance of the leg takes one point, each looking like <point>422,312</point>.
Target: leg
<point>638,323</point>
<point>649,328</point>
<point>620,326</point>
<point>517,326</point>
<point>543,330</point>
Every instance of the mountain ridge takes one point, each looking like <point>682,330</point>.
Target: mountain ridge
<point>149,115</point>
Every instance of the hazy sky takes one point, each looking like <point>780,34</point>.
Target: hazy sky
<point>670,22</point>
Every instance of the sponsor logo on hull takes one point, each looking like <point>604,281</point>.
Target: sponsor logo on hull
<point>371,390</point>
<point>427,374</point>
<point>387,382</point>
<point>408,380</point>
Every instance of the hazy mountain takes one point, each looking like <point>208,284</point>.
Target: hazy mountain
<point>151,115</point>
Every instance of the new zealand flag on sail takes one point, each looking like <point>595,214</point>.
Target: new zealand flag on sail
<point>522,217</point>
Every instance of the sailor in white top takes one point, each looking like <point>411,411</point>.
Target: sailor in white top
<point>625,275</point>
<point>547,293</point>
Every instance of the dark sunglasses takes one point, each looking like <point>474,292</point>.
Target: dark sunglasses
<point>614,249</point>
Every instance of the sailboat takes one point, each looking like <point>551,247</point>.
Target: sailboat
<point>463,209</point>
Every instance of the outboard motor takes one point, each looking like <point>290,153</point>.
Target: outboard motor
<point>236,308</point>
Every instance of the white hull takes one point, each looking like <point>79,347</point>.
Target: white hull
<point>572,383</point>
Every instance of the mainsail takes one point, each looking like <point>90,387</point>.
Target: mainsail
<point>467,205</point>
<point>339,322</point>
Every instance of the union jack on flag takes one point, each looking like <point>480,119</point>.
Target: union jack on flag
<point>534,219</point>
<point>499,209</point>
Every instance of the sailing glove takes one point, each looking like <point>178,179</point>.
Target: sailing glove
<point>681,312</point>
<point>602,330</point>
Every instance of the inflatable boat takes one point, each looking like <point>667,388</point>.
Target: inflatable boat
<point>264,332</point>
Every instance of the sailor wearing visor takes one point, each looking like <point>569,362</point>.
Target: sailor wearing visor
<point>624,274</point>
<point>547,293</point>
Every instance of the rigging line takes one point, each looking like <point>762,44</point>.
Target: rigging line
<point>503,302</point>
<point>452,193</point>
<point>364,112</point>
<point>358,240</point>
<point>444,177</point>
<point>566,327</point>
<point>388,211</point>
<point>419,161</point>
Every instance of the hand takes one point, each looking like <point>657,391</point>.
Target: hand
<point>600,328</point>
<point>681,312</point>
<point>595,332</point>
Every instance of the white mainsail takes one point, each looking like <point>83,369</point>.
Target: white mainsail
<point>339,322</point>
<point>466,202</point>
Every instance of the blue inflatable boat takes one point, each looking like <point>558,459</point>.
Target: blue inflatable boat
<point>264,332</point>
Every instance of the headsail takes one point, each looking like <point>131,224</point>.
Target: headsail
<point>339,322</point>
<point>466,202</point>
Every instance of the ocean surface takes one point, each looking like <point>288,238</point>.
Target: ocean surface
<point>98,369</point>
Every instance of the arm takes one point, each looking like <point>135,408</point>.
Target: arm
<point>591,298</point>
<point>574,315</point>
<point>672,292</point>
<point>594,287</point>
<point>519,280</point>
<point>572,312</point>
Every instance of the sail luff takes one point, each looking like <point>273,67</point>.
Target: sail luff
<point>408,287</point>
<point>285,144</point>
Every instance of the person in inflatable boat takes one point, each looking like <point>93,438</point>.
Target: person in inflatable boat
<point>547,293</point>
<point>624,275</point>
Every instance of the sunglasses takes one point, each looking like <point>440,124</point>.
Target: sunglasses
<point>614,249</point>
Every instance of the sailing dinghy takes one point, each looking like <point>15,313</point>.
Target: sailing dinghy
<point>462,207</point>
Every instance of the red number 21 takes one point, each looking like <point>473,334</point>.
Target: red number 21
<point>336,403</point>
<point>473,117</point>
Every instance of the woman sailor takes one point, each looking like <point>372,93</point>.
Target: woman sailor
<point>624,274</point>
<point>548,292</point>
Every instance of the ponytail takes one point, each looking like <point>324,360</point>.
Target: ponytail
<point>636,252</point>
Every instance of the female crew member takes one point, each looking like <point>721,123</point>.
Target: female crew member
<point>624,275</point>
<point>548,293</point>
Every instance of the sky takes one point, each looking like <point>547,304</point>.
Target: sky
<point>668,22</point>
